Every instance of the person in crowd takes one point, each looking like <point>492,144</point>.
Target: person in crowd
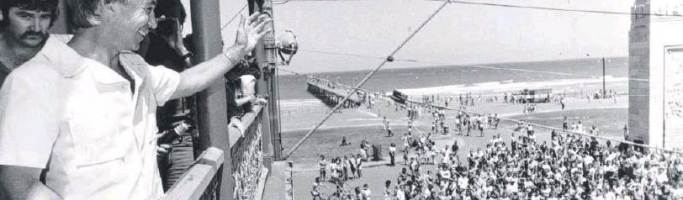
<point>322,166</point>
<point>315,192</point>
<point>334,171</point>
<point>164,46</point>
<point>594,130</point>
<point>496,121</point>
<point>406,152</point>
<point>344,142</point>
<point>24,26</point>
<point>458,125</point>
<point>352,165</point>
<point>364,155</point>
<point>365,192</point>
<point>562,103</point>
<point>359,165</point>
<point>392,154</point>
<point>480,126</point>
<point>345,168</point>
<point>93,110</point>
<point>626,129</point>
<point>388,191</point>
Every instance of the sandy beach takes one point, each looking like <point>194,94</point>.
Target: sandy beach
<point>609,115</point>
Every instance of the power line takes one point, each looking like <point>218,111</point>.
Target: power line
<point>234,17</point>
<point>364,80</point>
<point>287,1</point>
<point>522,7</point>
<point>560,9</point>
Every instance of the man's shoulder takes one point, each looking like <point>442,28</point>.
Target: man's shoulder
<point>35,69</point>
<point>54,60</point>
<point>136,63</point>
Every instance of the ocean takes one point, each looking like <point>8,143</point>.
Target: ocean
<point>293,87</point>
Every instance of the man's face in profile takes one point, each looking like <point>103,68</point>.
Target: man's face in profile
<point>28,27</point>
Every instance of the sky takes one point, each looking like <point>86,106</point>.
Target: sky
<point>458,35</point>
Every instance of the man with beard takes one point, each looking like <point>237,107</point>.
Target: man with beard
<point>23,31</point>
<point>86,129</point>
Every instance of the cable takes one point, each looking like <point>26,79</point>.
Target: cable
<point>362,82</point>
<point>522,7</point>
<point>234,16</point>
<point>287,1</point>
<point>560,9</point>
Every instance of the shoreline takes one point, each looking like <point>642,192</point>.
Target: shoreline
<point>508,115</point>
<point>559,86</point>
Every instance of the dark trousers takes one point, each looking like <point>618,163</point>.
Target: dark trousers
<point>179,160</point>
<point>392,156</point>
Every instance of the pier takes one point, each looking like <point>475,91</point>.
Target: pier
<point>331,92</point>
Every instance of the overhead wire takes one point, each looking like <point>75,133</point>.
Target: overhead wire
<point>371,73</point>
<point>234,16</point>
<point>606,12</point>
<point>287,1</point>
<point>561,9</point>
<point>364,80</point>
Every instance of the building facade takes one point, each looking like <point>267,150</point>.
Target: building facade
<point>656,73</point>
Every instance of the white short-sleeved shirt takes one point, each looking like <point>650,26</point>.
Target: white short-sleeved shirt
<point>77,119</point>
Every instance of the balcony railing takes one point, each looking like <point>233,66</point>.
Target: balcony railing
<point>202,180</point>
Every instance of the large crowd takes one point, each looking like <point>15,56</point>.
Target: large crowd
<point>568,166</point>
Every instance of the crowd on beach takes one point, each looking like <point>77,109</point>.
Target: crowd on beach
<point>341,169</point>
<point>568,166</point>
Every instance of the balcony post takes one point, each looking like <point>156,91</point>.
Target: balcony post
<point>212,107</point>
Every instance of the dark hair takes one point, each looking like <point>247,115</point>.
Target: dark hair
<point>39,5</point>
<point>82,13</point>
<point>171,9</point>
